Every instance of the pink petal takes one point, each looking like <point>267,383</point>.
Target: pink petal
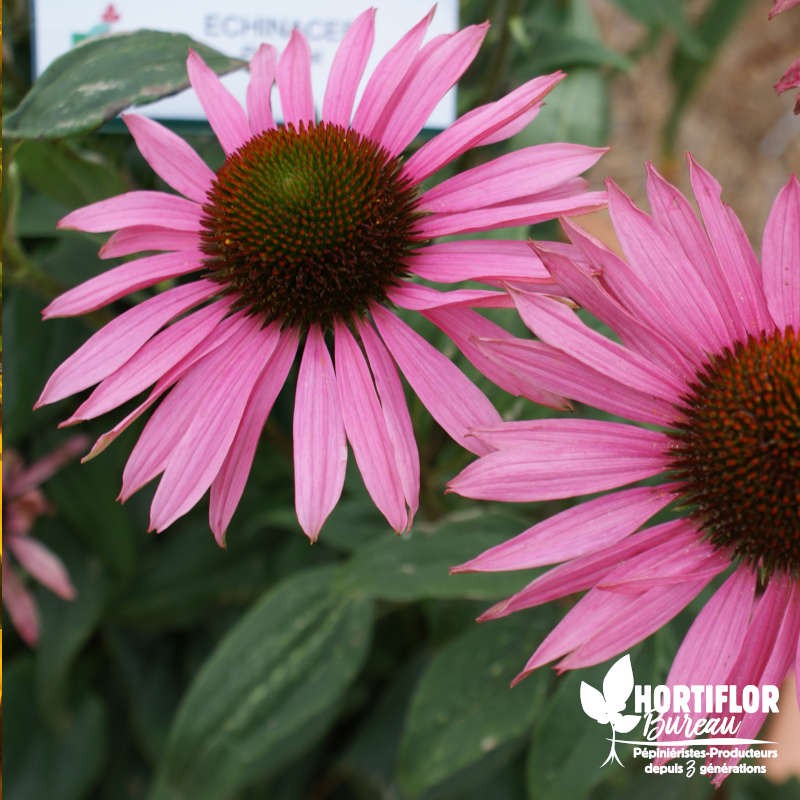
<point>542,366</point>
<point>294,81</point>
<point>20,605</point>
<point>490,122</point>
<point>225,116</point>
<point>713,643</point>
<point>416,297</point>
<point>463,326</point>
<point>493,261</point>
<point>366,429</point>
<point>135,209</point>
<point>588,291</point>
<point>386,77</point>
<point>124,279</point>
<point>779,6</point>
<point>152,361</point>
<point>228,486</point>
<point>320,448</point>
<point>259,90</point>
<point>117,341</point>
<point>450,397</point>
<point>195,462</point>
<point>395,413</point>
<point>507,216</point>
<point>171,158</point>
<point>781,257</point>
<point>434,72</point>
<point>148,237</point>
<point>42,565</point>
<point>347,68</point>
<point>585,571</point>
<point>582,529</point>
<point>529,171</point>
<point>652,254</point>
<point>644,614</point>
<point>790,80</point>
<point>185,403</point>
<point>675,214</point>
<point>736,257</point>
<point>554,459</point>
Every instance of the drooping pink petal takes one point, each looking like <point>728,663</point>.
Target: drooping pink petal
<point>586,289</point>
<point>651,253</point>
<point>554,459</point>
<point>491,261</point>
<point>294,81</point>
<point>41,564</point>
<point>530,171</point>
<point>195,462</point>
<point>486,219</point>
<point>152,361</point>
<point>116,342</point>
<point>259,90</point>
<point>320,448</point>
<point>481,126</point>
<point>124,279</point>
<point>585,571</point>
<point>386,77</point>
<point>134,209</point>
<point>644,614</point>
<point>779,6</point>
<point>463,325</point>
<point>225,116</point>
<point>736,257</point>
<point>395,412</point>
<point>790,80</point>
<point>171,157</point>
<point>168,424</point>
<point>416,297</point>
<point>558,326</point>
<point>366,429</point>
<point>148,237</point>
<point>434,72</point>
<point>450,397</point>
<point>781,257</point>
<point>19,603</point>
<point>347,69</point>
<point>675,214</point>
<point>33,476</point>
<point>539,365</point>
<point>585,528</point>
<point>228,486</point>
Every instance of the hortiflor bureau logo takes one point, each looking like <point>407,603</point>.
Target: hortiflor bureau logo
<point>691,722</point>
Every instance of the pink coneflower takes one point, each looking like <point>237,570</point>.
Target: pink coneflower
<point>790,78</point>
<point>23,502</point>
<point>311,232</point>
<point>710,361</point>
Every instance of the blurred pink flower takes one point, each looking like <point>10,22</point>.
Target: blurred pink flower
<point>791,78</point>
<point>23,502</point>
<point>311,232</point>
<point>709,361</point>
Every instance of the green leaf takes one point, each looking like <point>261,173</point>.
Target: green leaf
<point>100,77</point>
<point>575,111</point>
<point>464,711</point>
<point>414,566</point>
<point>65,174</point>
<point>282,667</point>
<point>40,763</point>
<point>66,624</point>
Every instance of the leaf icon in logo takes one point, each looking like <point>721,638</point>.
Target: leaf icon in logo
<point>605,708</point>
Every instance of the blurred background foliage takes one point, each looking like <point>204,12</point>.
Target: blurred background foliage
<point>274,669</point>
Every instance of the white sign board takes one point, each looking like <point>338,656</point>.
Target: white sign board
<point>237,28</point>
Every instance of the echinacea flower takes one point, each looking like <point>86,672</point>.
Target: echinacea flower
<point>709,361</point>
<point>23,502</point>
<point>790,78</point>
<point>311,232</point>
